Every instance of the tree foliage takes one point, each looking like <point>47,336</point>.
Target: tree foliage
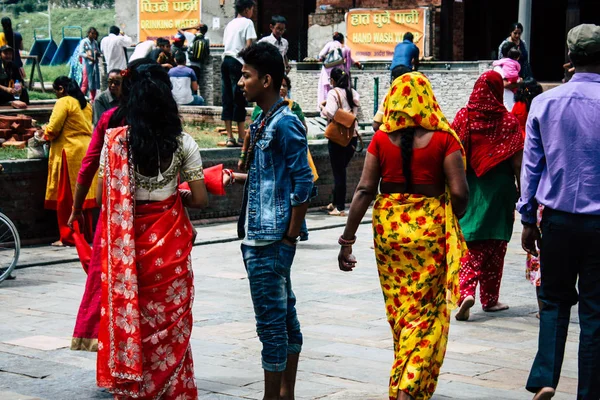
<point>20,6</point>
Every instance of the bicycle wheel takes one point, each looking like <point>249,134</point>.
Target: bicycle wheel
<point>10,245</point>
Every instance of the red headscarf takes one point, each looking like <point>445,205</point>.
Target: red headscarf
<point>489,133</point>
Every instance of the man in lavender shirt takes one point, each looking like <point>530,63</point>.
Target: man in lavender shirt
<point>561,170</point>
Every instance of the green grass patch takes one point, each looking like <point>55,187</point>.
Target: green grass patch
<point>34,95</point>
<point>25,23</point>
<point>10,153</point>
<point>50,72</point>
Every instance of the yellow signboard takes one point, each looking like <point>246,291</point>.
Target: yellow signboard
<point>161,18</point>
<point>373,34</point>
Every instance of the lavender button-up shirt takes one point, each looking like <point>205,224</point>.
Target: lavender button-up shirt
<point>561,159</point>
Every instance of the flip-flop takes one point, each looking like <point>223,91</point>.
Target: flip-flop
<point>232,143</point>
<point>337,213</point>
<point>328,207</point>
<point>58,243</point>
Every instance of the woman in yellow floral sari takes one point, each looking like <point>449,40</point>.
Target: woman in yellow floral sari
<point>417,162</point>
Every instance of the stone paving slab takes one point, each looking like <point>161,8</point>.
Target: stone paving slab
<point>347,351</point>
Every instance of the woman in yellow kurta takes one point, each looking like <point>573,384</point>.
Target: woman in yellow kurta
<point>70,132</point>
<point>417,162</point>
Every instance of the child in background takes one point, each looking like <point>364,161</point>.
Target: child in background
<point>509,63</point>
<point>527,91</point>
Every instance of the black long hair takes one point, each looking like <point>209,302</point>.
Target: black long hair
<point>407,138</point>
<point>8,32</point>
<point>342,80</point>
<point>527,91</point>
<point>71,89</point>
<point>119,117</point>
<point>153,118</point>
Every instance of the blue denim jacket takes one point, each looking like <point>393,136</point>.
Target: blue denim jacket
<point>279,177</point>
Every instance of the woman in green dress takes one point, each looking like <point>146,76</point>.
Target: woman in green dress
<point>494,148</point>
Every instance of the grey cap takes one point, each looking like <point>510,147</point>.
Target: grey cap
<point>584,39</point>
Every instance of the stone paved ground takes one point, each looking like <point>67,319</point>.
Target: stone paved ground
<point>348,346</point>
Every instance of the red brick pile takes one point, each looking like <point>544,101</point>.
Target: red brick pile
<point>15,131</point>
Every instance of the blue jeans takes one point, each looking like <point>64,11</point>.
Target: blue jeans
<point>198,101</point>
<point>570,264</point>
<point>274,302</point>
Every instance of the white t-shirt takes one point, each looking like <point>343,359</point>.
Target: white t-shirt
<point>113,47</point>
<point>237,32</point>
<point>282,45</point>
<point>142,50</point>
<point>181,78</point>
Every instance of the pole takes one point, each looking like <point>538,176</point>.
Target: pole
<point>375,95</point>
<point>525,19</point>
<point>49,21</point>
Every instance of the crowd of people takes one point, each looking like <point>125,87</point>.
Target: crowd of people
<point>444,200</point>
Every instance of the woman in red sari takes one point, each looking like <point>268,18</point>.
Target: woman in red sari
<point>147,281</point>
<point>85,334</point>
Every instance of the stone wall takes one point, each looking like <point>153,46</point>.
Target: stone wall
<point>452,87</point>
<point>23,186</point>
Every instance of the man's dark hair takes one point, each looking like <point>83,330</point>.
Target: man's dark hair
<point>114,30</point>
<point>506,48</point>
<point>180,57</point>
<point>161,41</point>
<point>338,37</point>
<point>267,60</point>
<point>241,5</point>
<point>203,29</point>
<point>278,19</point>
<point>408,36</point>
<point>581,59</point>
<point>114,71</point>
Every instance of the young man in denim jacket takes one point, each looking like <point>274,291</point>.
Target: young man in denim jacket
<point>276,193</point>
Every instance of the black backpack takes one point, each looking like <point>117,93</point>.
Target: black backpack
<point>199,50</point>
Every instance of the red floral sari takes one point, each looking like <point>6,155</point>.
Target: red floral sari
<point>147,288</point>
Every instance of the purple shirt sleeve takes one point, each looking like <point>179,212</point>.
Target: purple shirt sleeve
<point>532,166</point>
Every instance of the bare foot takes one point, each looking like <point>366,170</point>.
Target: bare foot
<point>58,243</point>
<point>463,312</point>
<point>496,307</point>
<point>544,394</point>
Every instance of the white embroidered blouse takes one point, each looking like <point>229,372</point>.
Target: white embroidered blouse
<point>186,164</point>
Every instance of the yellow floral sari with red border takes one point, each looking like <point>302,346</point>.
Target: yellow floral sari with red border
<point>418,247</point>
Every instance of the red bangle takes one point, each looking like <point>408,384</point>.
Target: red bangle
<point>77,209</point>
<point>231,176</point>
<point>344,243</point>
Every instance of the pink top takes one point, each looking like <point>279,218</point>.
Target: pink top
<point>91,161</point>
<point>510,67</point>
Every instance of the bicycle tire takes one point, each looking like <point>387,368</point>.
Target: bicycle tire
<point>10,246</point>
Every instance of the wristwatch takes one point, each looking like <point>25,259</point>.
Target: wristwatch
<point>292,239</point>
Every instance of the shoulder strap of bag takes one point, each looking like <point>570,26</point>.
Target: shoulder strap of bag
<point>339,99</point>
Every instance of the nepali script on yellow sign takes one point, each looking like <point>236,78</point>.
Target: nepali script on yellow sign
<point>373,34</point>
<point>161,18</point>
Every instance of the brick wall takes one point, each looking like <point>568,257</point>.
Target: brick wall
<point>24,181</point>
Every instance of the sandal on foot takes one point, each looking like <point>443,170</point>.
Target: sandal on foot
<point>463,312</point>
<point>230,142</point>
<point>58,243</point>
<point>328,207</point>
<point>337,213</point>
